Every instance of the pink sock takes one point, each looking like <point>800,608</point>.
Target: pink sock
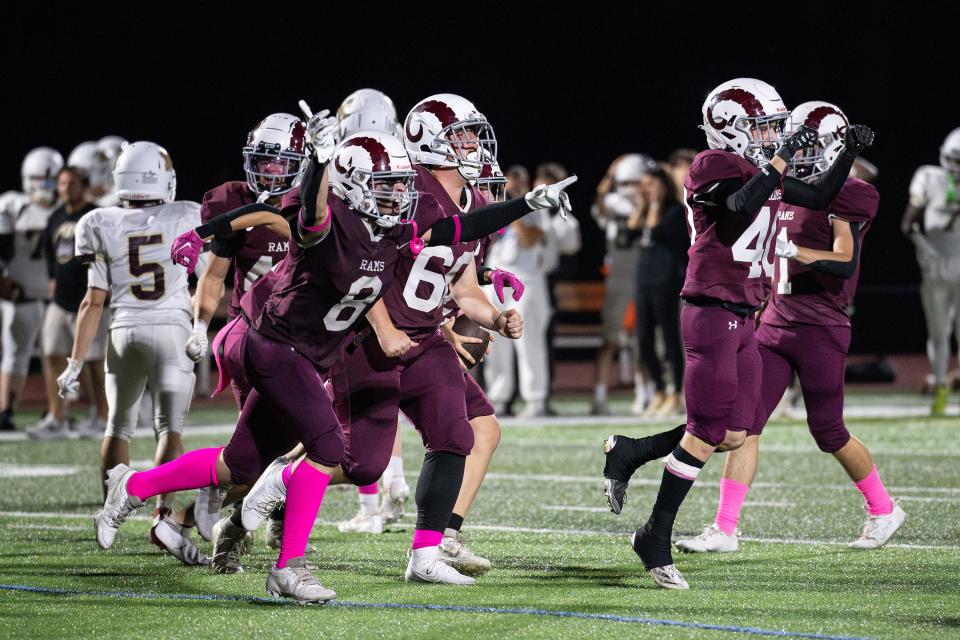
<point>193,470</point>
<point>304,495</point>
<point>285,475</point>
<point>732,495</point>
<point>424,538</point>
<point>875,494</point>
<point>368,490</point>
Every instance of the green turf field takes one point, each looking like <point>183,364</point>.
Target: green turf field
<point>542,518</point>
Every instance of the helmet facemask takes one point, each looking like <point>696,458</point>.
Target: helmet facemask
<point>270,170</point>
<point>468,143</point>
<point>764,134</point>
<point>811,163</point>
<point>387,197</point>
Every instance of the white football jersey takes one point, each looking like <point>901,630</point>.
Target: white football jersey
<point>26,221</point>
<point>129,252</point>
<point>935,190</point>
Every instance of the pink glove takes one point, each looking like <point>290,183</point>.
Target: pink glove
<point>499,278</point>
<point>186,249</point>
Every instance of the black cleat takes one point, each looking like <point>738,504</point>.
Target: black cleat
<point>619,465</point>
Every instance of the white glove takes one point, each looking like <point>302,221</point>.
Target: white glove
<point>69,380</point>
<point>786,248</point>
<point>551,196</point>
<point>322,134</point>
<point>197,345</point>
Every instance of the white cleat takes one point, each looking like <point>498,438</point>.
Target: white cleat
<point>362,523</point>
<point>206,509</point>
<point>394,499</point>
<point>426,565</point>
<point>456,554</point>
<point>669,577</point>
<point>118,506</point>
<point>175,540</point>
<point>878,529</point>
<point>712,540</point>
<point>92,428</point>
<point>264,496</point>
<point>230,543</point>
<point>295,581</point>
<point>49,429</point>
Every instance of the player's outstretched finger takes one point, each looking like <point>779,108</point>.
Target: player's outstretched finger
<point>566,182</point>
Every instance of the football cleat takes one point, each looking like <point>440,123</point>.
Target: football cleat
<point>669,577</point>
<point>617,469</point>
<point>456,554</point>
<point>118,506</point>
<point>295,581</point>
<point>91,429</point>
<point>362,523</point>
<point>426,565</point>
<point>207,508</point>
<point>230,544</point>
<point>175,540</point>
<point>712,540</point>
<point>394,499</point>
<point>264,496</point>
<point>49,429</point>
<point>878,529</point>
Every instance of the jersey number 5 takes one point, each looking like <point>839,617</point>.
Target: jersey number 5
<point>138,268</point>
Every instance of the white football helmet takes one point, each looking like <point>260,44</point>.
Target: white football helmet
<point>274,156</point>
<point>830,123</point>
<point>632,167</point>
<point>372,172</point>
<point>492,182</point>
<point>446,130</point>
<point>144,172</point>
<point>111,146</point>
<point>368,110</point>
<point>39,173</point>
<point>950,153</point>
<point>745,116</point>
<point>89,158</point>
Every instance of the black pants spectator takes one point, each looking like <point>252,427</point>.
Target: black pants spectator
<point>658,305</point>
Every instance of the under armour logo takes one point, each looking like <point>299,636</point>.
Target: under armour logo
<point>732,325</point>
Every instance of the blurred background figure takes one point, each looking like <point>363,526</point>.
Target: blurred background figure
<point>679,163</point>
<point>931,221</point>
<point>617,200</point>
<point>67,286</point>
<point>521,250</point>
<point>110,147</point>
<point>659,223</point>
<point>23,285</point>
<point>93,161</point>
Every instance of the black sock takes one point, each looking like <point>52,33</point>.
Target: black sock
<point>456,522</point>
<point>659,444</point>
<point>678,476</point>
<point>236,519</point>
<point>277,513</point>
<point>437,489</point>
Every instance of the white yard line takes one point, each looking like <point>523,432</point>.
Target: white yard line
<point>36,470</point>
<point>547,531</point>
<point>45,527</point>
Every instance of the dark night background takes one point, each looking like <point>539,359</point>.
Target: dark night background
<point>578,86</point>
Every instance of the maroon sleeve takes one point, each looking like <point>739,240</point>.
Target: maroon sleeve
<point>713,166</point>
<point>857,202</point>
<point>290,203</point>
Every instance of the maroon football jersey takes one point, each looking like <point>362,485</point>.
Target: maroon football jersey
<point>415,302</point>
<point>321,292</point>
<point>253,251</point>
<point>802,295</point>
<point>730,253</point>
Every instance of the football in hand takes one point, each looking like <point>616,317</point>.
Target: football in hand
<point>464,326</point>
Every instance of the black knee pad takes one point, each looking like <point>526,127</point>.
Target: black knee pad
<point>438,488</point>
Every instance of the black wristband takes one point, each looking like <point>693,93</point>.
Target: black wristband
<point>481,273</point>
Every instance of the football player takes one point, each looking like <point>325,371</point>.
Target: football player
<point>274,157</point>
<point>125,248</point>
<point>805,330</point>
<point>24,285</point>
<point>341,261</point>
<point>732,193</point>
<point>934,203</point>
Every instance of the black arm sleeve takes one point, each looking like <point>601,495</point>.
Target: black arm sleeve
<point>750,197</point>
<point>819,195</point>
<point>219,226</point>
<point>479,224</point>
<point>842,269</point>
<point>309,188</point>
